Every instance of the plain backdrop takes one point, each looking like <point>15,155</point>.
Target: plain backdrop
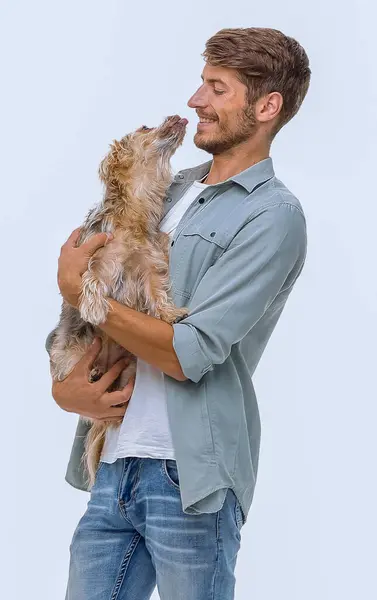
<point>75,75</point>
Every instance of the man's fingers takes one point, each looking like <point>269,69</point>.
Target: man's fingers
<point>125,393</point>
<point>130,383</point>
<point>110,399</point>
<point>108,378</point>
<point>95,242</point>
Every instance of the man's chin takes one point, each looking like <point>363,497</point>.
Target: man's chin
<point>208,145</point>
<point>204,143</point>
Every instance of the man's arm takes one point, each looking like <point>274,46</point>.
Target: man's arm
<point>232,296</point>
<point>229,300</point>
<point>265,257</point>
<point>146,337</point>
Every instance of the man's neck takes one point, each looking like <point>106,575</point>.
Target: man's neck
<point>233,162</point>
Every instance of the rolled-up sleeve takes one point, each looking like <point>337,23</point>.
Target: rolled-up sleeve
<point>264,258</point>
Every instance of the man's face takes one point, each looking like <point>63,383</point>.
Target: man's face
<point>221,99</point>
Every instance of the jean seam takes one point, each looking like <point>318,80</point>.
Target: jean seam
<point>216,570</point>
<point>137,480</point>
<point>124,565</point>
<point>121,479</point>
<point>238,514</point>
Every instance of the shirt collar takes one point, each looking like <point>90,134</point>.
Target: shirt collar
<point>249,178</point>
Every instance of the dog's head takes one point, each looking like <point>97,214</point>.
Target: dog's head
<point>146,150</point>
<point>163,139</point>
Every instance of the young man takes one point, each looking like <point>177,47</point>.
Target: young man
<point>176,479</point>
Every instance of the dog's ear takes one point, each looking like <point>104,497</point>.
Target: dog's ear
<point>116,162</point>
<point>106,168</point>
<point>103,170</point>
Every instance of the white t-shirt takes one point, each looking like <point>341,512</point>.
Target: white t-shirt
<point>144,431</point>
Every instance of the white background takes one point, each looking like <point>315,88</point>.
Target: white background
<point>74,76</point>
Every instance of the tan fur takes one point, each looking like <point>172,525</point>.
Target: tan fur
<point>133,268</point>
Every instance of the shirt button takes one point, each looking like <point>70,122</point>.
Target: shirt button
<point>168,199</point>
<point>181,176</point>
<point>213,233</point>
<point>201,200</point>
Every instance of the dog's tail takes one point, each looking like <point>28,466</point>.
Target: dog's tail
<point>94,441</point>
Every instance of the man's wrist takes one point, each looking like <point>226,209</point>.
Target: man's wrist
<point>148,338</point>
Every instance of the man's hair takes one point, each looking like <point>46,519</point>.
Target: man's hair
<point>265,61</point>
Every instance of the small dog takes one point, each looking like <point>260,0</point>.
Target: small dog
<point>132,269</point>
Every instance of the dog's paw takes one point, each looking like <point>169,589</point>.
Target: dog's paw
<point>94,310</point>
<point>180,318</point>
<point>94,306</point>
<point>95,374</point>
<point>180,314</point>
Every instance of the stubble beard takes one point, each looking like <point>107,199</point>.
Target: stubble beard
<point>225,138</point>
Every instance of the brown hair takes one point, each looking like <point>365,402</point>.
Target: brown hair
<point>266,61</point>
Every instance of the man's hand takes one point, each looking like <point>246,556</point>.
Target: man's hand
<point>76,394</point>
<point>73,262</point>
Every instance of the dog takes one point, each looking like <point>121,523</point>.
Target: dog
<point>133,268</point>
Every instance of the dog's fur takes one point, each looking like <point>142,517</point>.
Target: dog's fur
<point>132,268</point>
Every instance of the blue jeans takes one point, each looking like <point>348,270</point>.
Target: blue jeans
<point>134,535</point>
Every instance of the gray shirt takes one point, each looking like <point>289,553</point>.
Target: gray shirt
<point>234,259</point>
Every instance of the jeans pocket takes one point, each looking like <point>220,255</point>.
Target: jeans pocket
<point>171,472</point>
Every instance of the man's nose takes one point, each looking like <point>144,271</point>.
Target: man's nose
<point>199,99</point>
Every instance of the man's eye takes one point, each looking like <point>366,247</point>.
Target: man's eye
<point>218,92</point>
<point>145,127</point>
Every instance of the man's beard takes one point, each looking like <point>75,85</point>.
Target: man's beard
<point>225,139</point>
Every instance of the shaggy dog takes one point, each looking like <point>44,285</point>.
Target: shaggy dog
<point>132,269</point>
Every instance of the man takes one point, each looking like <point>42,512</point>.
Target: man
<point>176,479</point>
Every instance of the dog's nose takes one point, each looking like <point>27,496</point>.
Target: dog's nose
<point>174,119</point>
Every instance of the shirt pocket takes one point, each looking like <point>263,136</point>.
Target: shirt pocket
<point>196,249</point>
<point>208,233</point>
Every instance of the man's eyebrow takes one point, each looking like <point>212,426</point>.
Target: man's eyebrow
<point>213,80</point>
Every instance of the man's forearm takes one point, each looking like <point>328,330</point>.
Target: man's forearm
<point>146,337</point>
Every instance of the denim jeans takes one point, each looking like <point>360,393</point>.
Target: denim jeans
<point>134,535</point>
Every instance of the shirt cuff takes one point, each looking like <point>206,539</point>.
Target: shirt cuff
<point>191,356</point>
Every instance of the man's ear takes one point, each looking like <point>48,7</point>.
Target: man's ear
<point>268,107</point>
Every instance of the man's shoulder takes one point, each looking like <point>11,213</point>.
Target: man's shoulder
<point>270,193</point>
<point>275,193</point>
